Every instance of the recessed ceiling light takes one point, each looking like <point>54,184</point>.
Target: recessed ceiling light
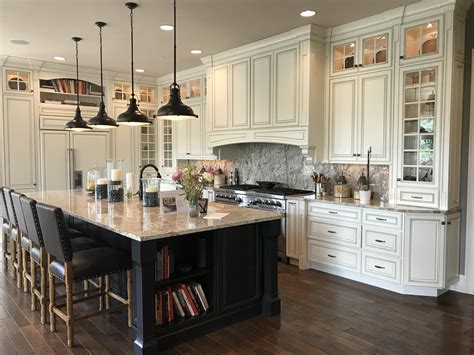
<point>196,51</point>
<point>166,27</point>
<point>140,70</point>
<point>62,59</point>
<point>308,13</point>
<point>19,41</point>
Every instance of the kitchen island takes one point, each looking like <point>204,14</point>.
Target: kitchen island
<point>234,259</point>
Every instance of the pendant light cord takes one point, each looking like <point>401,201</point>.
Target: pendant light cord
<point>131,43</point>
<point>101,74</point>
<point>77,72</point>
<point>174,21</point>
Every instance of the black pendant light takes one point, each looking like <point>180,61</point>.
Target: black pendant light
<point>175,110</point>
<point>133,116</point>
<point>102,120</point>
<point>77,124</point>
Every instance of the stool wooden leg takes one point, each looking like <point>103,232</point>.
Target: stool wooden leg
<point>33,283</point>
<point>19,268</point>
<point>101,298</point>
<point>12,257</point>
<point>69,309</point>
<point>24,263</point>
<point>43,273</point>
<point>129,296</point>
<point>107,290</point>
<point>52,300</point>
<point>4,249</point>
<point>86,287</point>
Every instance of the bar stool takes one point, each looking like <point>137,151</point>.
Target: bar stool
<point>70,267</point>
<point>31,242</point>
<point>6,257</point>
<point>15,248</point>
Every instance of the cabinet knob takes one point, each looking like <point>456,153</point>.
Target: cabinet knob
<point>402,57</point>
<point>360,65</point>
<point>399,179</point>
<point>354,155</point>
<point>443,223</point>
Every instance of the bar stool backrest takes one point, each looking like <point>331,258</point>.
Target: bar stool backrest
<point>28,206</point>
<point>19,212</point>
<point>3,206</point>
<point>54,228</point>
<point>11,210</point>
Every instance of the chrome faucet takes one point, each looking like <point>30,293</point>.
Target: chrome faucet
<point>140,183</point>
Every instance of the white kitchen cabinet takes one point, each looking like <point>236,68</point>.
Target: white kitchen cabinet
<point>65,157</point>
<point>424,255</point>
<point>220,98</point>
<point>286,87</point>
<point>126,141</point>
<point>189,136</point>
<point>295,227</point>
<point>261,90</point>
<point>240,94</point>
<point>453,234</point>
<point>360,117</point>
<point>19,142</point>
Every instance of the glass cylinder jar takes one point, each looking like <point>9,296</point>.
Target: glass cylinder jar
<point>115,186</point>
<point>100,184</point>
<point>92,176</point>
<point>151,192</point>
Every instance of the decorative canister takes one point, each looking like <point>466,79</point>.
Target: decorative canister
<point>101,188</point>
<point>151,192</point>
<point>115,187</point>
<point>360,186</point>
<point>341,189</point>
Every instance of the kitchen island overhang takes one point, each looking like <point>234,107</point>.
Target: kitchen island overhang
<point>238,272</point>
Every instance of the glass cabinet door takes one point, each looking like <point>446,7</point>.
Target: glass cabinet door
<point>165,94</point>
<point>419,125</point>
<point>148,140</point>
<point>375,50</point>
<point>147,94</point>
<point>122,91</point>
<point>167,143</point>
<point>344,56</point>
<point>421,40</point>
<point>195,88</point>
<point>18,81</point>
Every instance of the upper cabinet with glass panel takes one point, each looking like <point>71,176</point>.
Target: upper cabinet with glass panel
<point>189,89</point>
<point>147,95</point>
<point>375,50</point>
<point>421,40</point>
<point>344,56</point>
<point>18,81</point>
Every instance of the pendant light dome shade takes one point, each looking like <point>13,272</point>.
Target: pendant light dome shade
<point>133,116</point>
<point>102,120</point>
<point>77,124</point>
<point>175,110</point>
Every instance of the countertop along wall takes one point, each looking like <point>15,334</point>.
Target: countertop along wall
<point>286,164</point>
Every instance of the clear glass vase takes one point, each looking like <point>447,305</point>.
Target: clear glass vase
<point>193,209</point>
<point>115,180</point>
<point>151,192</point>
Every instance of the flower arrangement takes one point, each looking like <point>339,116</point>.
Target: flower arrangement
<point>191,182</point>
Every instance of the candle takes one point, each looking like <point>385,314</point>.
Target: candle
<point>152,189</point>
<point>102,181</point>
<point>129,180</point>
<point>116,175</point>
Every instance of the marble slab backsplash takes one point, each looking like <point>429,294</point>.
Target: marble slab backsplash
<point>285,164</point>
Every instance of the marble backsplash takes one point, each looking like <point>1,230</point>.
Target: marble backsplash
<point>285,164</point>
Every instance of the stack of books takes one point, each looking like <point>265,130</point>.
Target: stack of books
<point>164,265</point>
<point>180,301</point>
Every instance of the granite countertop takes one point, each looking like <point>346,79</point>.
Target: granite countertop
<point>132,220</point>
<point>375,204</point>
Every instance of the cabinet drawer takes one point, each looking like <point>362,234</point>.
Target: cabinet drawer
<point>335,232</point>
<point>381,267</point>
<point>418,198</point>
<point>333,211</point>
<point>346,258</point>
<point>382,240</point>
<point>382,218</point>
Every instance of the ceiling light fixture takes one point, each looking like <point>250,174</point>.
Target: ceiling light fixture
<point>175,110</point>
<point>308,13</point>
<point>101,120</point>
<point>21,42</point>
<point>133,116</point>
<point>140,70</point>
<point>61,59</point>
<point>166,27</point>
<point>196,51</point>
<point>77,124</point>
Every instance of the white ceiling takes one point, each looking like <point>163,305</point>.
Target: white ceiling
<point>209,25</point>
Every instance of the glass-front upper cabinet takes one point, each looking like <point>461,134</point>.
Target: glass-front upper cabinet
<point>344,56</point>
<point>147,94</point>
<point>420,101</point>
<point>167,143</point>
<point>148,141</point>
<point>188,89</point>
<point>122,91</point>
<point>421,40</point>
<point>18,81</point>
<point>375,50</point>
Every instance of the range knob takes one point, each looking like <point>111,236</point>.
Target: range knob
<point>238,199</point>
<point>278,203</point>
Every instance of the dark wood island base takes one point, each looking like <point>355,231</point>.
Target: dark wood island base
<point>240,280</point>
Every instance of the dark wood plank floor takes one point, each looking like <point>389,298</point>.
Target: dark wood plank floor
<point>321,314</point>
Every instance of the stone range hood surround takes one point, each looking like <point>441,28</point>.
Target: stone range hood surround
<point>270,91</point>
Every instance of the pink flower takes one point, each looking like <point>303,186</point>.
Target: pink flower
<point>176,175</point>
<point>211,170</point>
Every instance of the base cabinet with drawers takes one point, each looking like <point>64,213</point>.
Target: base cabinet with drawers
<point>409,253</point>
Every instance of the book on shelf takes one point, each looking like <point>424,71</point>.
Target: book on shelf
<point>164,264</point>
<point>179,301</point>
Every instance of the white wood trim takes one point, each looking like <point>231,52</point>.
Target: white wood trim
<point>469,270</point>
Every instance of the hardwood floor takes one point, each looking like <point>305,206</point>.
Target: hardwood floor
<point>321,314</point>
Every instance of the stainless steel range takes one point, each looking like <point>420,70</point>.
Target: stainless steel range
<point>254,196</point>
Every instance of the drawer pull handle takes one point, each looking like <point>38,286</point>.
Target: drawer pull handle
<point>332,256</point>
<point>381,219</point>
<point>332,212</point>
<point>292,203</point>
<point>417,197</point>
<point>380,267</point>
<point>332,232</point>
<point>380,241</point>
